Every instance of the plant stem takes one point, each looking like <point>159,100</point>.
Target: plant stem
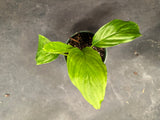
<point>91,46</point>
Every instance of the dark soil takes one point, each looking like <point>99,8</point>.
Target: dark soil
<point>84,39</point>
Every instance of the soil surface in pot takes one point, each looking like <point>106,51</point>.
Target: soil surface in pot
<point>84,39</point>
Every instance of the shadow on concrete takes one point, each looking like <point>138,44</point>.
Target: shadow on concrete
<point>95,17</point>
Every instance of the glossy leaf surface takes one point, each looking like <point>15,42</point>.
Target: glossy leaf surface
<point>88,73</point>
<point>57,48</point>
<point>115,32</point>
<point>42,56</point>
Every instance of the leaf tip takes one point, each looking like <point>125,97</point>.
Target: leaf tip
<point>140,35</point>
<point>40,35</point>
<point>98,106</point>
<point>37,63</point>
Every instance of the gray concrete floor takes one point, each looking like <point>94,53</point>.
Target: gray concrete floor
<point>45,92</point>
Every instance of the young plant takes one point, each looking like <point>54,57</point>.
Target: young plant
<point>85,67</point>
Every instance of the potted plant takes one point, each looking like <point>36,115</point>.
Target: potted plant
<point>85,55</point>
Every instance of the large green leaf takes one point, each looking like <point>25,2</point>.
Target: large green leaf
<point>88,73</point>
<point>57,48</point>
<point>42,56</point>
<point>115,32</point>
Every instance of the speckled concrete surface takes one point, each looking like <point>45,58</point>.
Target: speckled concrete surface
<point>45,92</point>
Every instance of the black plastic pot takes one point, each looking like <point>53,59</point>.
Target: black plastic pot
<point>85,41</point>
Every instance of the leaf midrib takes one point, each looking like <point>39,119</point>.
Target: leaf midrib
<point>111,34</point>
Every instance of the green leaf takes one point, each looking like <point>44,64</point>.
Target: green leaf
<point>88,73</point>
<point>57,48</point>
<point>42,56</point>
<point>115,32</point>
